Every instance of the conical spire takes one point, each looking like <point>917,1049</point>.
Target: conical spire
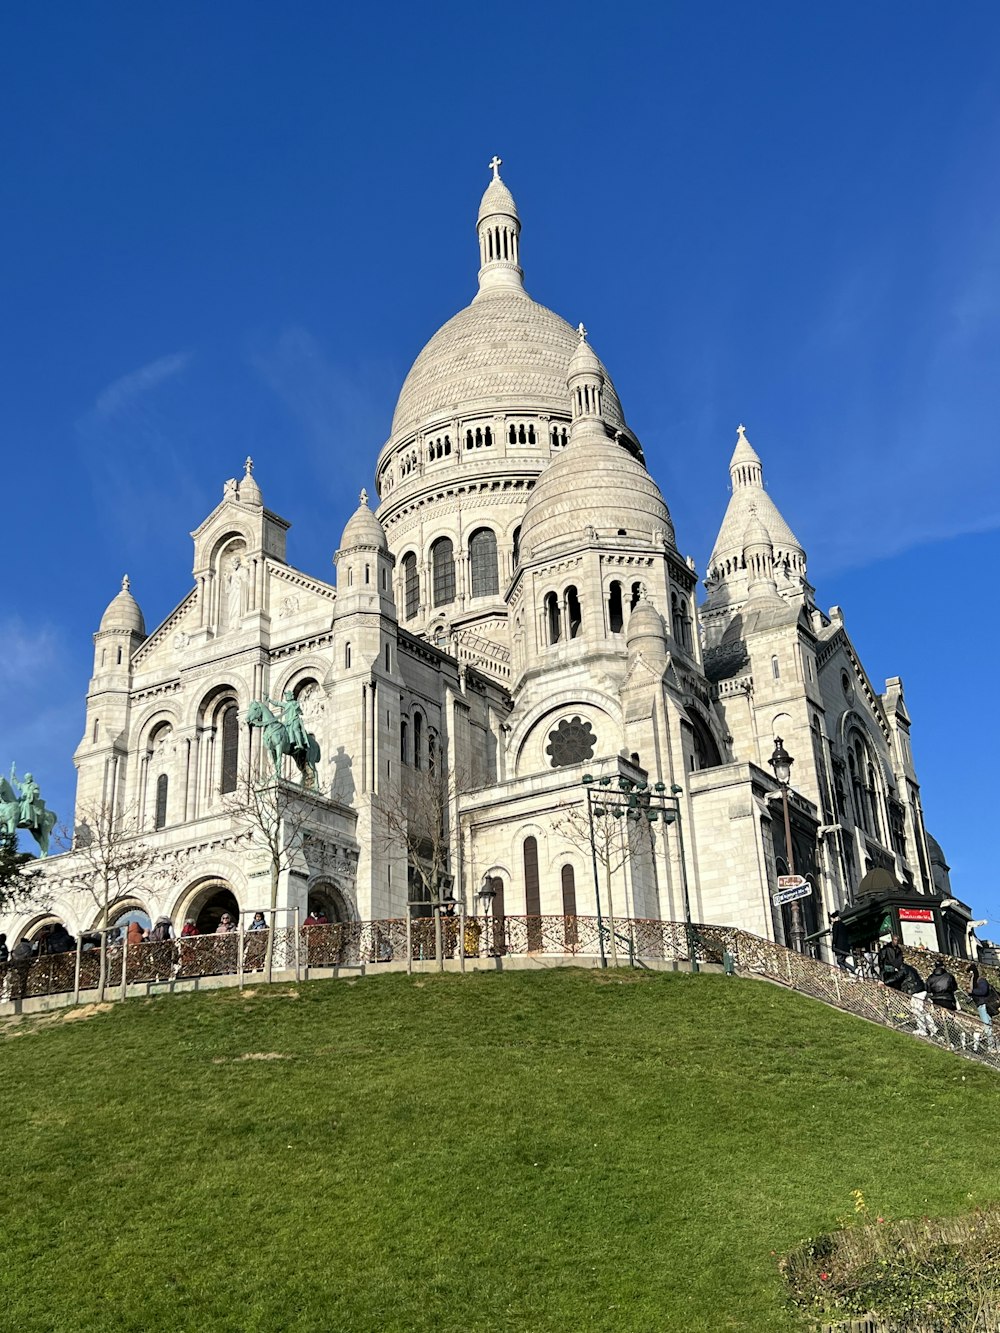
<point>745,467</point>
<point>585,379</point>
<point>499,228</point>
<point>750,506</point>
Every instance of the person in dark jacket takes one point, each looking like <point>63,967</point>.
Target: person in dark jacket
<point>941,987</point>
<point>985,998</point>
<point>908,981</point>
<point>840,942</point>
<point>890,957</point>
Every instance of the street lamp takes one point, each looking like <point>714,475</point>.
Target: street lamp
<point>486,895</point>
<point>781,761</point>
<point>639,801</point>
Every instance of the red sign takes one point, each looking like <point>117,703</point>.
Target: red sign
<point>916,914</point>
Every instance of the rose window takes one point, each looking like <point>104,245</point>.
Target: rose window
<point>572,742</point>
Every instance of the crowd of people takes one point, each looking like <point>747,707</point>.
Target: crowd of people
<point>932,999</point>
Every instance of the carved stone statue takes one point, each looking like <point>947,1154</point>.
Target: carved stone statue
<point>21,806</point>
<point>236,581</point>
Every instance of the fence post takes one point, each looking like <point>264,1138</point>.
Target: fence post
<point>409,941</point>
<point>461,936</point>
<point>298,960</point>
<point>788,965</point>
<point>76,969</point>
<point>239,945</point>
<point>270,944</point>
<point>836,984</point>
<point>124,965</point>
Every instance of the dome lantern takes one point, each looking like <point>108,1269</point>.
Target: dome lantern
<point>499,228</point>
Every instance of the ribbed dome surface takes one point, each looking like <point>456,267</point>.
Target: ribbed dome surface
<point>502,352</point>
<point>363,529</point>
<point>123,613</point>
<point>497,199</point>
<point>594,484</point>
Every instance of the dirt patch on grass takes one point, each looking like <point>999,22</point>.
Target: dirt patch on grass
<point>250,1055</point>
<point>85,1011</point>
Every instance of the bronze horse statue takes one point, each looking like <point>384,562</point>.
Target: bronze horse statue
<point>281,739</point>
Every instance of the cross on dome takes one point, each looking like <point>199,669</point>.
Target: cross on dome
<point>364,497</point>
<point>125,583</point>
<point>741,431</point>
<point>496,163</point>
<point>248,465</point>
<point>581,331</point>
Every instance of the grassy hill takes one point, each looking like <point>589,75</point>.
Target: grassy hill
<point>530,1151</point>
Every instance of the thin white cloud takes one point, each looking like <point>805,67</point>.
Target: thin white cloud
<point>120,395</point>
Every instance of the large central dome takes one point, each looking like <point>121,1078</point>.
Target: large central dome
<point>502,351</point>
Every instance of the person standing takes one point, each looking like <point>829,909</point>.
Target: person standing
<point>941,986</point>
<point>890,957</point>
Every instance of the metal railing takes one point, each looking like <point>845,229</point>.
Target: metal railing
<point>243,957</point>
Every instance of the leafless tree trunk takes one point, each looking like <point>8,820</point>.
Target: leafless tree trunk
<point>114,860</point>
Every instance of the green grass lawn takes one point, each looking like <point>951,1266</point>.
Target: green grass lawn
<point>530,1151</point>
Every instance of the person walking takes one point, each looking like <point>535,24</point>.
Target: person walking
<point>840,942</point>
<point>986,1000</point>
<point>908,981</point>
<point>941,986</point>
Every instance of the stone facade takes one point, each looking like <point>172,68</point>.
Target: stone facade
<point>514,614</point>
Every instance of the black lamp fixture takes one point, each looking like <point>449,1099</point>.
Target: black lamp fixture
<point>781,761</point>
<point>486,893</point>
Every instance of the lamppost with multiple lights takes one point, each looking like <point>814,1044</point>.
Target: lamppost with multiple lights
<point>637,801</point>
<point>781,761</point>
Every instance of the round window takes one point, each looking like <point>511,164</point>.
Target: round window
<point>572,742</point>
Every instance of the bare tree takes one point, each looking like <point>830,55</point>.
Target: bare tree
<point>418,818</point>
<point>113,860</point>
<point>275,813</point>
<point>616,838</point>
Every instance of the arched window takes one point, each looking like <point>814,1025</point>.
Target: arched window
<point>775,668</point>
<point>552,617</point>
<point>411,586</point>
<point>230,747</point>
<point>404,741</point>
<point>616,611</point>
<point>570,932</point>
<point>516,543</point>
<point>432,750</point>
<point>532,894</point>
<point>347,655</point>
<point>574,616</point>
<point>418,739</point>
<point>636,594</point>
<point>443,570</point>
<point>160,819</point>
<point>483,563</point>
<point>97,728</point>
<point>676,619</point>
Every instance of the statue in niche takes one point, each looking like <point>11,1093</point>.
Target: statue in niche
<point>236,582</point>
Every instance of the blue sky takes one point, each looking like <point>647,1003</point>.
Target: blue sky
<point>229,229</point>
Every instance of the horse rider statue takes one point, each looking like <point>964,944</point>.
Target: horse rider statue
<point>286,735</point>
<point>21,806</point>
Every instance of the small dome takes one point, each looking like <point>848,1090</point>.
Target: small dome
<point>123,613</point>
<point>363,529</point>
<point>584,360</point>
<point>250,493</point>
<point>645,622</point>
<point>595,484</point>
<point>756,534</point>
<point>497,199</point>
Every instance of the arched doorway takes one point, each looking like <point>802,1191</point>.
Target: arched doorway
<point>207,905</point>
<point>328,900</point>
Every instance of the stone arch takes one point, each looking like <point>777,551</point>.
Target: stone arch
<point>130,907</point>
<point>336,902</point>
<point>610,738</point>
<point>205,899</point>
<point>34,925</point>
<point>152,719</point>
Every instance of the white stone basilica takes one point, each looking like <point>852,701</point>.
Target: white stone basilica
<point>514,614</point>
